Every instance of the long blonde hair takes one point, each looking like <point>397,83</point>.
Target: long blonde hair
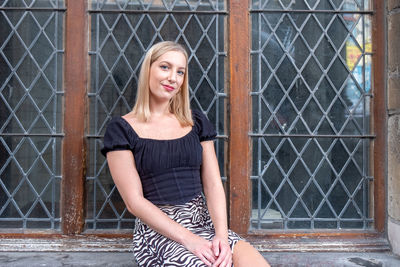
<point>179,104</point>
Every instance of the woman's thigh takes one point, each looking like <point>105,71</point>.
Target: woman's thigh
<point>245,255</point>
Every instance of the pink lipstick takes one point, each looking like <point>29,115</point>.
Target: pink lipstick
<point>168,88</point>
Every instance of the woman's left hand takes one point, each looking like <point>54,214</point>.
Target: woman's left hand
<point>222,252</point>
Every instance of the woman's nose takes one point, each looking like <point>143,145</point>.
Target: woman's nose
<point>172,76</point>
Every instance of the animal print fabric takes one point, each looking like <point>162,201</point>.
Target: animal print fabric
<point>152,249</point>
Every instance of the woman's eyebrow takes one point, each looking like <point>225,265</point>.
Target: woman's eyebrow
<point>169,63</point>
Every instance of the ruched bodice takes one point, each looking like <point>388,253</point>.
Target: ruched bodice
<point>169,169</point>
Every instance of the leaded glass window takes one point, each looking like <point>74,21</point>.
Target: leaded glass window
<point>311,92</point>
<point>31,55</point>
<point>121,33</point>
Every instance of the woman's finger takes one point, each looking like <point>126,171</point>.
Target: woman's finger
<point>215,244</point>
<point>218,261</point>
<point>204,259</point>
<point>209,256</point>
<point>228,261</point>
<point>225,256</point>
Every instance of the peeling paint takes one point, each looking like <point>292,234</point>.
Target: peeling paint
<point>96,244</point>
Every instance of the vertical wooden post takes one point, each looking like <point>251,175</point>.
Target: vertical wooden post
<point>379,113</point>
<point>240,112</point>
<point>75,75</point>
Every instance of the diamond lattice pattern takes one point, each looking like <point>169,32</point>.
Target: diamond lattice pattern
<point>32,3</point>
<point>169,5</point>
<point>330,5</point>
<point>119,43</point>
<point>30,115</point>
<point>310,73</point>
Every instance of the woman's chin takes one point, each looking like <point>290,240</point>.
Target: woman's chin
<point>166,97</point>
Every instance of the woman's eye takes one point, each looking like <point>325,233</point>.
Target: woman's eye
<point>181,73</point>
<point>164,67</point>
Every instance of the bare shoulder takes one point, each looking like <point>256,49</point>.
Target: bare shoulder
<point>134,121</point>
<point>130,117</point>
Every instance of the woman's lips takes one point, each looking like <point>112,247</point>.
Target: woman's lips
<point>168,88</point>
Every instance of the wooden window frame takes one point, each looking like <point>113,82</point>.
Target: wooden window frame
<point>239,189</point>
<point>240,142</point>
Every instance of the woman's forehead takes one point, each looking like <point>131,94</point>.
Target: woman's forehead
<point>173,57</point>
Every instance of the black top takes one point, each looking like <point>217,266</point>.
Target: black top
<point>169,169</point>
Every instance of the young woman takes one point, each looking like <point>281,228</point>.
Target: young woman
<point>161,157</point>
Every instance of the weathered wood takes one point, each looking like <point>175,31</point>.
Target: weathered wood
<point>75,75</point>
<point>339,241</point>
<point>340,245</point>
<point>379,114</point>
<point>103,244</point>
<point>67,243</point>
<point>309,234</point>
<point>240,112</point>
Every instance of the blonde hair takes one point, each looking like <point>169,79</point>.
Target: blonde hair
<point>179,104</point>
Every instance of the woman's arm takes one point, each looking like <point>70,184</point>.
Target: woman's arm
<point>216,203</point>
<point>126,178</point>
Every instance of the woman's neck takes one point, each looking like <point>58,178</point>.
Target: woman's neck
<point>158,109</point>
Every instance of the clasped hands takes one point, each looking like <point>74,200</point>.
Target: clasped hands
<point>213,253</point>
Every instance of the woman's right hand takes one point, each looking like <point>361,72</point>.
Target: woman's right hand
<point>202,249</point>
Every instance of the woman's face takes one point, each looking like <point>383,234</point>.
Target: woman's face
<point>166,75</point>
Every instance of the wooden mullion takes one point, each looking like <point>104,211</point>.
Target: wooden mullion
<point>75,80</point>
<point>240,112</point>
<point>379,113</point>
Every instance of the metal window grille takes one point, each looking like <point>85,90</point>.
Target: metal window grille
<point>121,33</point>
<point>31,55</point>
<point>311,65</point>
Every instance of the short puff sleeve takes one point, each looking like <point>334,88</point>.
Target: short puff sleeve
<point>204,128</point>
<point>118,136</point>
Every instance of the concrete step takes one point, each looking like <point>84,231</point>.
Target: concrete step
<point>115,259</point>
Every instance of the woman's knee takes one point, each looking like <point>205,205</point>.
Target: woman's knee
<point>244,254</point>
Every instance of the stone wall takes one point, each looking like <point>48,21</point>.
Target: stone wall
<point>393,71</point>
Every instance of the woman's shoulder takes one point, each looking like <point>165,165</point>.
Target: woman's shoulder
<point>118,123</point>
<point>203,126</point>
<point>198,116</point>
<point>118,136</point>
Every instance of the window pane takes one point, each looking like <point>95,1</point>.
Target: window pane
<point>119,42</point>
<point>344,5</point>
<point>30,115</point>
<point>32,3</point>
<point>311,112</point>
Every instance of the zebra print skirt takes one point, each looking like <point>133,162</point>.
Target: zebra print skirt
<point>152,249</point>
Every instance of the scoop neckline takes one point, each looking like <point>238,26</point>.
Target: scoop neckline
<point>153,139</point>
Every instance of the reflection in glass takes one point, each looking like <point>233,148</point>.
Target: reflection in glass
<point>311,83</point>
<point>119,42</point>
<point>30,115</point>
